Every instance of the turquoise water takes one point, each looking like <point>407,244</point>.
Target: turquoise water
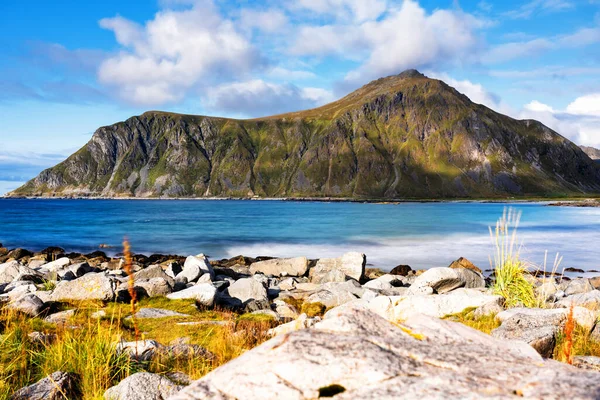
<point>422,235</point>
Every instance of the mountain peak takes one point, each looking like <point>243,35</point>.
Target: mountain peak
<point>411,73</point>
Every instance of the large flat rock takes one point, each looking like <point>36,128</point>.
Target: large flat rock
<point>357,354</point>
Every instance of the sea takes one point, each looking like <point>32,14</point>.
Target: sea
<point>422,235</point>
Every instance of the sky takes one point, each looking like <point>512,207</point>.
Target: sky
<point>69,67</point>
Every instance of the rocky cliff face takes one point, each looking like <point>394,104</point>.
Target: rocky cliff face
<point>593,153</point>
<point>404,136</point>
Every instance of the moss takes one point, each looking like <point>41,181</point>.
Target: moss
<point>313,309</point>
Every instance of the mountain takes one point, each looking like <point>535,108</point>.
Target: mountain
<point>404,136</point>
<point>593,153</point>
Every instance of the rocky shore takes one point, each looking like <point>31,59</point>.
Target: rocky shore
<point>338,329</point>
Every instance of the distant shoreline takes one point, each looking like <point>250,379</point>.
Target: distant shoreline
<point>560,201</point>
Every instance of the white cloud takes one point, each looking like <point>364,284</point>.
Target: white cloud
<point>404,37</point>
<point>355,10</point>
<point>267,21</point>
<point>534,7</point>
<point>586,105</point>
<point>292,75</point>
<point>511,50</point>
<point>580,127</point>
<point>256,98</point>
<point>174,52</point>
<point>548,71</point>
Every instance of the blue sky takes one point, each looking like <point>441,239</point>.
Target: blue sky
<point>69,67</point>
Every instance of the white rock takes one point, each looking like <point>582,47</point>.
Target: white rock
<point>247,289</point>
<point>143,386</point>
<point>581,315</point>
<point>281,267</point>
<point>351,264</point>
<point>204,293</point>
<point>194,267</point>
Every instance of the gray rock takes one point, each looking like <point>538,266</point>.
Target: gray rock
<point>186,351</point>
<point>93,286</point>
<point>576,286</point>
<point>154,287</point>
<point>587,362</point>
<point>148,312</point>
<point>142,350</point>
<point>333,294</point>
<point>323,276</point>
<point>359,355</point>
<point>60,317</point>
<point>9,271</point>
<point>153,271</point>
<point>77,270</point>
<point>246,289</point>
<point>194,267</point>
<point>143,386</point>
<point>55,266</point>
<point>288,284</point>
<point>281,267</point>
<point>204,293</point>
<point>589,300</point>
<point>57,386</point>
<point>351,264</point>
<point>29,304</point>
<point>285,310</point>
<point>582,316</point>
<point>539,333</point>
<point>443,280</point>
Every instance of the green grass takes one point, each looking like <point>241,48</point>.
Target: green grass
<point>86,346</point>
<point>510,272</point>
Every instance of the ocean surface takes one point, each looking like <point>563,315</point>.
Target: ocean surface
<point>422,235</point>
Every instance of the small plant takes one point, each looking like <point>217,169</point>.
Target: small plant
<point>568,336</point>
<point>313,309</point>
<point>509,270</point>
<point>131,285</point>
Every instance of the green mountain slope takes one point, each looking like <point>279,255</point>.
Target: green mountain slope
<point>404,136</point>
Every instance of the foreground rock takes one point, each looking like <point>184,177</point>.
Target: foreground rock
<point>57,386</point>
<point>363,356</point>
<point>143,386</point>
<point>93,286</point>
<point>539,327</point>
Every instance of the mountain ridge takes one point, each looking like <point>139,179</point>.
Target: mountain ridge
<point>403,136</point>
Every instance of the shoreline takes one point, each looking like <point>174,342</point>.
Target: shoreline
<point>558,201</point>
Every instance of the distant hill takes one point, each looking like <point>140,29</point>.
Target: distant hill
<point>593,153</point>
<point>404,136</point>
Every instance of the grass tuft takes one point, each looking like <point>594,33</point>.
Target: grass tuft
<point>510,271</point>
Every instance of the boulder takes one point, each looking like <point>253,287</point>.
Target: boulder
<point>93,286</point>
<point>352,264</point>
<point>397,308</point>
<point>537,331</point>
<point>194,267</point>
<point>60,317</point>
<point>580,285</point>
<point>582,316</point>
<point>204,293</point>
<point>401,270</point>
<point>153,271</point>
<point>320,277</point>
<point>29,304</point>
<point>143,386</point>
<point>443,280</point>
<point>153,287</point>
<point>359,355</point>
<point>281,267</point>
<point>246,289</point>
<point>464,263</point>
<point>285,310</point>
<point>9,271</point>
<point>589,300</point>
<point>142,350</point>
<point>57,386</point>
<point>333,294</point>
<point>55,266</point>
<point>19,253</point>
<point>173,269</point>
